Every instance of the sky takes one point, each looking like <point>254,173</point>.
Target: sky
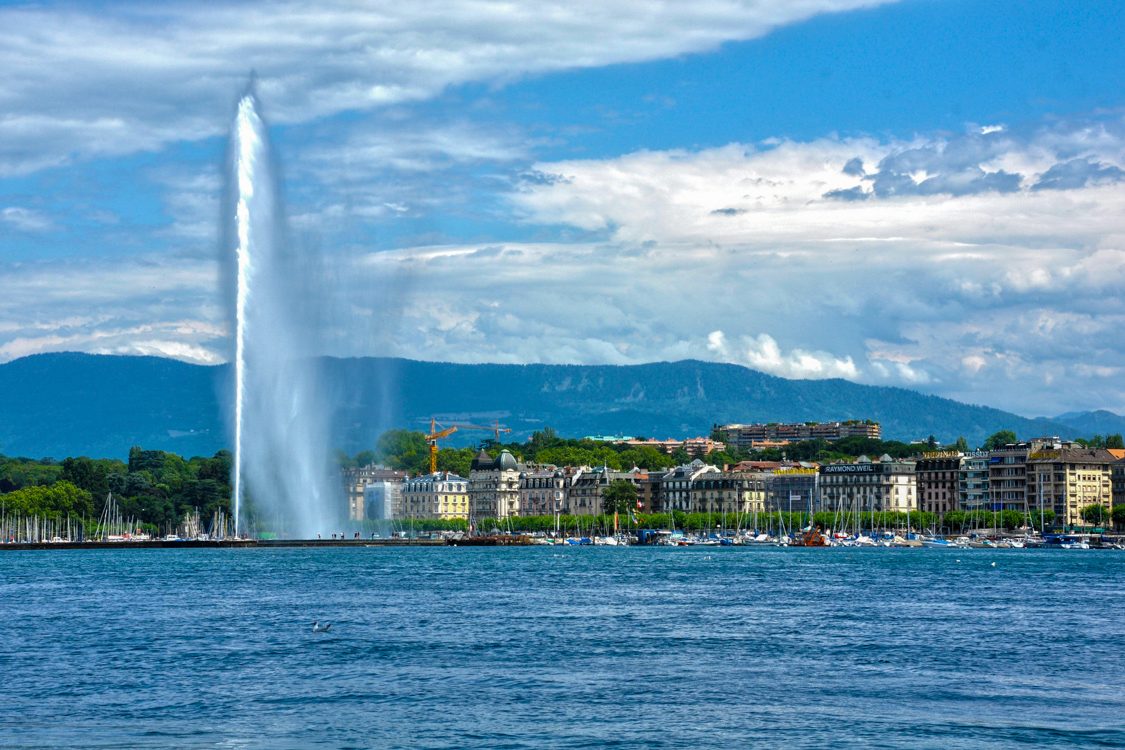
<point>923,193</point>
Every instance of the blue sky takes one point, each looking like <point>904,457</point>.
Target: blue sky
<point>917,193</point>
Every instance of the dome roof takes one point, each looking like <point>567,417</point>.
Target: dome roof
<point>507,461</point>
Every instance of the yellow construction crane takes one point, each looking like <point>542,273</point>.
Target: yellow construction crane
<point>436,434</point>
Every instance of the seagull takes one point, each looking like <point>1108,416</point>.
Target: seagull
<point>318,628</point>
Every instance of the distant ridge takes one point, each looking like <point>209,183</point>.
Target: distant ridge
<point>71,404</point>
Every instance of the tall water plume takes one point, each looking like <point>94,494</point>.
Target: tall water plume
<point>280,473</point>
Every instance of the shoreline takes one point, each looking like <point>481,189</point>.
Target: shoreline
<point>224,543</point>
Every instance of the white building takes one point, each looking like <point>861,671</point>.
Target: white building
<point>494,486</point>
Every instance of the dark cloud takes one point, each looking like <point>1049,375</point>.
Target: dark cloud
<point>1078,173</point>
<point>536,178</point>
<point>854,167</point>
<point>856,193</point>
<point>950,167</point>
<point>728,211</point>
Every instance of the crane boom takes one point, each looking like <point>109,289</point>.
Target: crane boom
<point>435,434</point>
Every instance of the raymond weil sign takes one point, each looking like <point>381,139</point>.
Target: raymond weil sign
<point>848,469</point>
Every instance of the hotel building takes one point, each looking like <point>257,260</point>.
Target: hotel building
<point>866,485</point>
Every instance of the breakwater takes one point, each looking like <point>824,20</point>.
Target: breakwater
<point>221,543</point>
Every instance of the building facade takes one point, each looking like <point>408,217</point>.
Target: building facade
<point>793,489</point>
<point>866,485</point>
<point>1007,471</point>
<point>972,481</point>
<point>728,493</point>
<point>543,490</point>
<point>675,486</point>
<point>382,500</point>
<point>1117,473</point>
<point>494,486</point>
<point>442,495</point>
<point>1067,480</point>
<point>939,481</point>
<point>356,481</point>
<point>745,436</point>
<point>584,495</point>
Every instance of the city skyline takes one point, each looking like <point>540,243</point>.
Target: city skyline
<point>919,194</point>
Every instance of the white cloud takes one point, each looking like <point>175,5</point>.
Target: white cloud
<point>990,296</point>
<point>127,78</point>
<point>762,352</point>
<point>25,219</point>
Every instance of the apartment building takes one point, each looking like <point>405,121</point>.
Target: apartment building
<point>1007,471</point>
<point>745,436</point>
<point>1067,479</point>
<point>972,481</point>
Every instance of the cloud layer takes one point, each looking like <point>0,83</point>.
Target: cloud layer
<point>127,78</point>
<point>987,265</point>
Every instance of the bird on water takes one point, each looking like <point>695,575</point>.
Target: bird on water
<point>318,628</point>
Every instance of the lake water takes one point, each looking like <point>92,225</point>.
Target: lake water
<point>562,647</point>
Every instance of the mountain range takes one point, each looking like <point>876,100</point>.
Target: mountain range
<point>68,404</point>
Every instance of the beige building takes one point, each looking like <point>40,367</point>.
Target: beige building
<point>1067,479</point>
<point>543,489</point>
<point>723,492</point>
<point>1118,471</point>
<point>866,485</point>
<point>494,486</point>
<point>584,495</point>
<point>676,486</point>
<point>441,495</point>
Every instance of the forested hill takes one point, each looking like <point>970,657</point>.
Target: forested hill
<point>77,404</point>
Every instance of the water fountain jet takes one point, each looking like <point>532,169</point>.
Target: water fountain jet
<point>279,425</point>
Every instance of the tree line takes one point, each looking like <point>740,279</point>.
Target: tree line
<point>157,488</point>
<point>407,450</point>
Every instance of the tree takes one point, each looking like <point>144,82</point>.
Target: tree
<point>57,501</point>
<point>645,457</point>
<point>962,445</point>
<point>1095,514</point>
<point>1114,441</point>
<point>619,497</point>
<point>404,450</point>
<point>1119,516</point>
<point>86,474</point>
<point>540,439</point>
<point>456,460</point>
<point>999,440</point>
